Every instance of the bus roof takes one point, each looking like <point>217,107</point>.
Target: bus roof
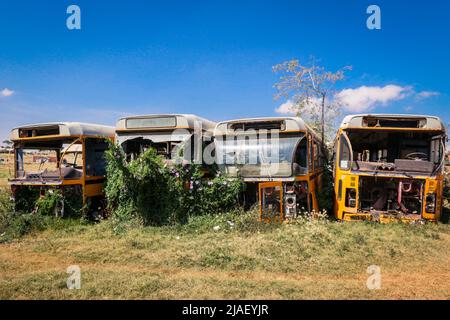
<point>393,121</point>
<point>62,129</point>
<point>290,124</point>
<point>155,122</point>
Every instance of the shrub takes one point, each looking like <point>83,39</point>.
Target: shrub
<point>145,188</point>
<point>200,196</point>
<point>140,188</point>
<point>13,224</point>
<point>6,210</point>
<point>326,195</point>
<point>50,203</point>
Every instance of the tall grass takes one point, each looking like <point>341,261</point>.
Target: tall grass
<point>230,255</point>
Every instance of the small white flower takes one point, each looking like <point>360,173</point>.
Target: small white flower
<point>216,228</point>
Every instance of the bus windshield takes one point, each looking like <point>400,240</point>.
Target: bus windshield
<point>44,163</point>
<point>256,157</point>
<point>404,151</point>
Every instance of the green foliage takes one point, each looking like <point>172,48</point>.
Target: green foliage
<point>200,196</point>
<point>64,202</point>
<point>25,198</point>
<point>50,203</point>
<point>146,189</point>
<point>326,195</point>
<point>6,209</point>
<point>15,224</point>
<point>6,204</point>
<point>142,188</point>
<point>12,224</point>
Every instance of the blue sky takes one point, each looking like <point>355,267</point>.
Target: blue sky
<point>214,58</point>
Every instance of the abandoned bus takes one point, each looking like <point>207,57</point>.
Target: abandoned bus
<point>281,160</point>
<point>65,156</point>
<point>389,167</point>
<point>174,136</point>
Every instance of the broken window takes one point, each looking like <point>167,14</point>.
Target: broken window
<point>344,154</point>
<point>301,158</point>
<point>95,157</point>
<point>52,160</point>
<point>256,157</point>
<point>411,151</point>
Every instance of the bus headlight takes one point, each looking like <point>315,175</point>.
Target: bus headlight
<point>290,204</point>
<point>350,198</point>
<point>430,203</point>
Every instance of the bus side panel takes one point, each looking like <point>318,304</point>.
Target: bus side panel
<point>344,182</point>
<point>433,186</point>
<point>93,190</point>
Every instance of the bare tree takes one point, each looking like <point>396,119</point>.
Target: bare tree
<point>310,90</point>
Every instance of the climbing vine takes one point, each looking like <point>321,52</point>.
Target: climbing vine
<point>147,189</point>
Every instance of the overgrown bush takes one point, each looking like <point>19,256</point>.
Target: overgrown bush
<point>326,195</point>
<point>50,203</point>
<point>14,224</point>
<point>57,202</point>
<point>6,209</point>
<point>39,213</point>
<point>148,190</point>
<point>142,188</point>
<point>200,196</point>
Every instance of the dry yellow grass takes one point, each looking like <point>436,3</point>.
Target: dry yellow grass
<point>305,261</point>
<point>6,168</point>
<point>313,260</point>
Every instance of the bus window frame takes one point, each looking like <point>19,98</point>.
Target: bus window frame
<point>350,161</point>
<point>296,148</point>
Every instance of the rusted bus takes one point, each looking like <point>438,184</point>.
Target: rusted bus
<point>176,137</point>
<point>79,169</point>
<point>280,159</point>
<point>389,168</point>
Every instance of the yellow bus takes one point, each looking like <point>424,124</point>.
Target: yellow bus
<point>180,137</point>
<point>68,156</point>
<point>389,167</point>
<point>280,159</point>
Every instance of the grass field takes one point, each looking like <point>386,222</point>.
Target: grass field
<point>6,168</point>
<point>244,259</point>
<point>306,260</point>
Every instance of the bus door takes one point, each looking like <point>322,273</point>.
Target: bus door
<point>271,201</point>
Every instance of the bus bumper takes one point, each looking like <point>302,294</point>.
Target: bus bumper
<point>384,218</point>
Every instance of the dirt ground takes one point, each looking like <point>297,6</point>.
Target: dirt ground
<point>316,261</point>
<point>158,264</point>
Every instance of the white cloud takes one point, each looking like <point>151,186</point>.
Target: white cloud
<point>6,92</point>
<point>366,98</point>
<point>427,94</point>
<point>408,108</point>
<point>286,108</point>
